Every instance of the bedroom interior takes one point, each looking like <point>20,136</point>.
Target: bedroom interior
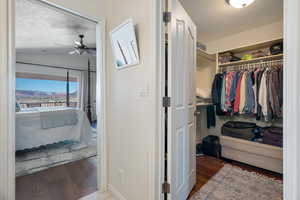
<point>56,122</point>
<point>233,138</point>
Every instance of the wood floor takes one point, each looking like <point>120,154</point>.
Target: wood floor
<point>66,182</point>
<point>208,166</point>
<point>78,179</point>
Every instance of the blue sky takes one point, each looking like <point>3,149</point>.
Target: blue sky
<point>44,85</point>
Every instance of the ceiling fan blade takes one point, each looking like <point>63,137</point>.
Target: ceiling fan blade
<point>77,43</point>
<point>72,52</point>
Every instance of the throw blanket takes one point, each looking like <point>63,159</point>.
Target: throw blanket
<point>58,119</point>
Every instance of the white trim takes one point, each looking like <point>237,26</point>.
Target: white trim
<point>105,196</point>
<point>115,193</point>
<point>160,138</point>
<point>7,169</point>
<point>11,96</point>
<point>101,111</point>
<point>291,121</point>
<point>7,105</point>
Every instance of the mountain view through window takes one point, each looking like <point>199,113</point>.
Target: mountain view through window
<point>45,93</point>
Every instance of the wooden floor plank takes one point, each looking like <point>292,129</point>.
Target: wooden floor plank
<point>65,182</point>
<point>78,179</point>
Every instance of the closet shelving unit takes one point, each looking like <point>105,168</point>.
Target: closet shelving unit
<point>257,154</point>
<point>249,48</point>
<point>254,60</point>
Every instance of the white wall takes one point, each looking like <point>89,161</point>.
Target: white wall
<point>131,99</point>
<point>257,35</point>
<point>205,71</point>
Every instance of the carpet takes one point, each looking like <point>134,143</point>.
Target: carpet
<point>233,183</point>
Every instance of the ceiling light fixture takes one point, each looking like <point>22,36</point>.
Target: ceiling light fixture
<point>239,3</point>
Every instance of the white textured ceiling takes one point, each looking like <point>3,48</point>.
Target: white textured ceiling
<point>42,29</point>
<point>215,18</point>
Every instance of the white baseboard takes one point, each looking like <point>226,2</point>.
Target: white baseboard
<point>99,196</point>
<point>116,194</point>
<point>105,196</point>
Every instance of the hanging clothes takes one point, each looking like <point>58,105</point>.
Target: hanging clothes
<point>211,116</point>
<point>250,100</point>
<point>234,86</point>
<point>243,94</point>
<point>223,94</point>
<point>258,83</point>
<point>228,85</point>
<point>256,92</point>
<point>238,94</point>
<point>216,93</point>
<point>262,95</point>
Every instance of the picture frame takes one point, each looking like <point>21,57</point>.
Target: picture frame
<point>124,45</point>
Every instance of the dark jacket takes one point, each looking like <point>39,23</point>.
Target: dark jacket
<point>216,93</point>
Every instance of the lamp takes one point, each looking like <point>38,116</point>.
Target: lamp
<point>239,3</point>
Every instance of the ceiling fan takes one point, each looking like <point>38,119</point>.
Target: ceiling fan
<point>80,48</point>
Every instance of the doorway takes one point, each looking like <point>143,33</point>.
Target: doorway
<point>212,48</point>
<point>56,119</point>
<point>78,86</point>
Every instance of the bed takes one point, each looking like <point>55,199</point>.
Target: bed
<point>36,127</point>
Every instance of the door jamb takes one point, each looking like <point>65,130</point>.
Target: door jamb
<point>291,128</point>
<point>8,71</point>
<point>160,144</point>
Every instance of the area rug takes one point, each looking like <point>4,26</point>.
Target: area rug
<point>233,183</point>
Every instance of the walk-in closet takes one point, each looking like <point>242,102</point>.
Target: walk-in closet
<point>246,90</point>
<point>239,95</point>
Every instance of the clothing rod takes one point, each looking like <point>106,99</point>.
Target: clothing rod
<point>51,66</point>
<point>256,63</point>
<point>251,65</point>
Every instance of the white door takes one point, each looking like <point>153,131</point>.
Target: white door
<point>181,89</point>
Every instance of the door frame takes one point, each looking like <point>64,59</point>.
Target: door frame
<point>291,121</point>
<point>7,104</point>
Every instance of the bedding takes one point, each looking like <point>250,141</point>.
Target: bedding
<point>58,118</point>
<point>36,127</point>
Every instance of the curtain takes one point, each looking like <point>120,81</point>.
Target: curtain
<point>83,90</point>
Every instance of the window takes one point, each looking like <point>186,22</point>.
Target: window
<point>36,90</point>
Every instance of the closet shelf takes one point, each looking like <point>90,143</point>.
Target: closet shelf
<point>265,58</point>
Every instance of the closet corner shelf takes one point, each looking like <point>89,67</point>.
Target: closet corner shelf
<point>203,104</point>
<point>265,58</point>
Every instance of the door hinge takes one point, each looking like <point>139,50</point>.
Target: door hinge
<point>166,188</point>
<point>167,17</point>
<point>166,102</point>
